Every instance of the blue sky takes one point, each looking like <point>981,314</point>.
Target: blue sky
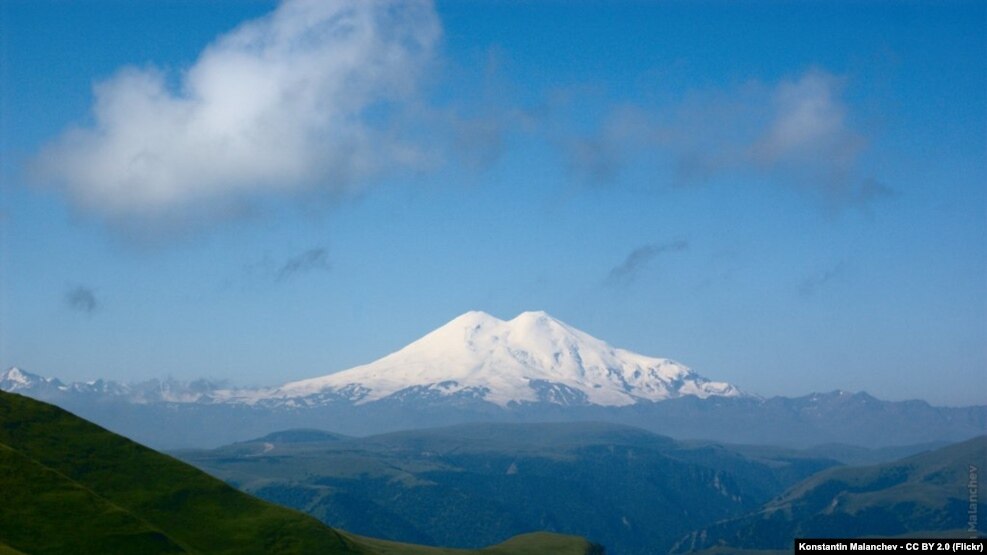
<point>786,196</point>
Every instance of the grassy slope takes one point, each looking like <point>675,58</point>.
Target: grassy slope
<point>7,550</point>
<point>79,488</point>
<point>195,510</point>
<point>34,494</point>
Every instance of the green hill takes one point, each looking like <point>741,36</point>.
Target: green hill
<point>70,486</point>
<point>925,494</point>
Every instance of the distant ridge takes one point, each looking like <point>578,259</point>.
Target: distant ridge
<point>300,435</point>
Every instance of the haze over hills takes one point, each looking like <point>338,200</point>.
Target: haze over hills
<point>470,485</point>
<point>480,368</point>
<point>636,492</point>
<point>925,495</point>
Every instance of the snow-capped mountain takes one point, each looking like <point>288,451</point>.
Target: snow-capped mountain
<point>151,391</point>
<point>532,358</point>
<point>17,380</point>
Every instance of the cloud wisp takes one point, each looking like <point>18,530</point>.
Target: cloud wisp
<point>795,132</point>
<point>305,98</point>
<point>628,270</point>
<point>276,271</point>
<point>81,299</point>
<point>811,284</point>
<point>316,259</point>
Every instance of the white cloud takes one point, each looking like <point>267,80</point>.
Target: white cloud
<point>305,98</point>
<point>807,116</point>
<point>808,135</point>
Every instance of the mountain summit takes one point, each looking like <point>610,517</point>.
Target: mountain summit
<point>532,358</point>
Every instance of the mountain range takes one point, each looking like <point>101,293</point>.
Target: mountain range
<point>533,358</point>
<point>480,368</point>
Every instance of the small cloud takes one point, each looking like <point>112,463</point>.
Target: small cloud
<point>594,158</point>
<point>275,270</point>
<point>870,190</point>
<point>810,140</point>
<point>478,126</point>
<point>626,271</point>
<point>598,158</point>
<point>316,259</point>
<point>813,283</point>
<point>81,299</point>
